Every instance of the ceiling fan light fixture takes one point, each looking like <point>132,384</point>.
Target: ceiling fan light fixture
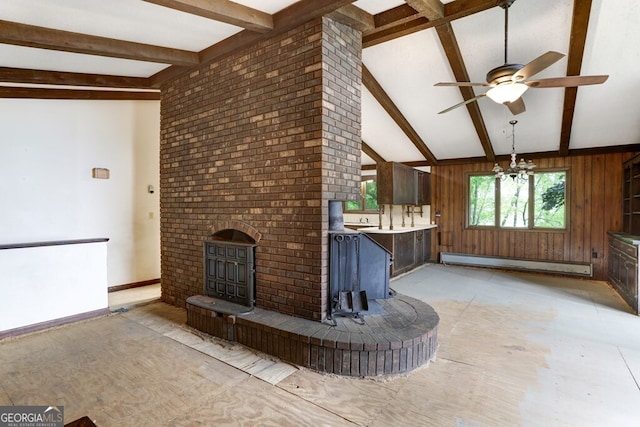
<point>506,92</point>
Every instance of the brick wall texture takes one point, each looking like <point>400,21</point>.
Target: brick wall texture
<point>262,138</point>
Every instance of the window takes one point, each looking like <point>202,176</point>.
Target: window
<point>536,203</point>
<point>368,200</point>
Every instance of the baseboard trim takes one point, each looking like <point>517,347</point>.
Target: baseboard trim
<point>37,327</point>
<point>540,266</point>
<point>133,285</point>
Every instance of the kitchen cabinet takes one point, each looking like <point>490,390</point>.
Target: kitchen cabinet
<point>423,188</point>
<point>409,248</point>
<point>423,247</point>
<point>623,267</point>
<point>631,196</point>
<point>399,184</point>
<point>396,184</point>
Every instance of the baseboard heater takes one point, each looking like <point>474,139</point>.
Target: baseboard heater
<point>570,268</point>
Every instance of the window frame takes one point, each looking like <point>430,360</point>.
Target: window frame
<point>530,208</point>
<point>364,179</point>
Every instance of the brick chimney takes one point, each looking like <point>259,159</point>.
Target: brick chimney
<point>262,140</point>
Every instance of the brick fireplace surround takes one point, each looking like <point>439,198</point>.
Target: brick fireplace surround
<point>260,141</point>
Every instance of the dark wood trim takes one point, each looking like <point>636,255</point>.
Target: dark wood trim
<point>390,107</point>
<point>594,185</point>
<point>133,285</point>
<point>431,9</point>
<point>66,41</point>
<point>36,327</point>
<point>372,153</point>
<point>405,20</point>
<point>47,93</point>
<point>283,21</point>
<point>23,75</point>
<point>304,11</point>
<point>630,148</point>
<point>452,50</point>
<point>354,17</point>
<point>579,27</point>
<point>223,11</point>
<point>52,243</point>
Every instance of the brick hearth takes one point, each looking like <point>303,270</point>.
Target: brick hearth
<point>398,339</point>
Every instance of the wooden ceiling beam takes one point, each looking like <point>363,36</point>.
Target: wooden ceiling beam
<point>452,50</point>
<point>354,17</point>
<point>305,10</point>
<point>366,149</point>
<point>430,9</point>
<point>223,11</point>
<point>21,75</point>
<point>401,21</point>
<point>46,38</point>
<point>390,107</point>
<point>630,148</point>
<point>394,17</point>
<point>579,26</point>
<point>283,21</point>
<point>46,93</point>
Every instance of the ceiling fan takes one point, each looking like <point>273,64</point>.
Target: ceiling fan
<point>509,81</point>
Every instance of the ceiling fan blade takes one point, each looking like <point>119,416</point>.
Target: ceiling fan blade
<point>569,81</point>
<point>516,107</point>
<point>534,67</point>
<point>461,84</point>
<point>475,98</point>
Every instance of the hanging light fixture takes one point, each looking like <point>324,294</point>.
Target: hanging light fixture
<point>507,92</point>
<point>521,170</point>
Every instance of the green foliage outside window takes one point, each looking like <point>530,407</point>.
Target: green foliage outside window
<point>482,200</point>
<point>538,202</point>
<point>514,203</point>
<point>550,198</point>
<point>369,198</point>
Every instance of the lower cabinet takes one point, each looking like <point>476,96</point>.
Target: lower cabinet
<point>408,249</point>
<point>623,267</point>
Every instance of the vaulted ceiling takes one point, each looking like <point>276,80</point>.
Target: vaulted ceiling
<point>124,49</point>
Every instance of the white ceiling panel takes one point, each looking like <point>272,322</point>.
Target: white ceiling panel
<point>382,134</point>
<point>612,43</point>
<point>137,21</point>
<point>366,160</point>
<point>269,6</point>
<point>407,69</point>
<point>376,6</point>
<point>481,41</point>
<point>38,59</point>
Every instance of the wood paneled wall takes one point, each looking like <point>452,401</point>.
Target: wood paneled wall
<point>595,207</point>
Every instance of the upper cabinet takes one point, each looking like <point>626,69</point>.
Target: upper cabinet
<point>631,196</point>
<point>423,188</point>
<point>400,184</point>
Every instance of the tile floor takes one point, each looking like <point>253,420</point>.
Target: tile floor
<point>515,350</point>
<point>133,297</point>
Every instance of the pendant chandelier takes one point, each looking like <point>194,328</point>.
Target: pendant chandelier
<point>521,170</point>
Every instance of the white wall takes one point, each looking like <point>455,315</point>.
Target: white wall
<point>47,151</point>
<point>51,282</point>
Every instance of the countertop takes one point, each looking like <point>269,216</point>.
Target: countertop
<point>625,237</point>
<point>396,229</point>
